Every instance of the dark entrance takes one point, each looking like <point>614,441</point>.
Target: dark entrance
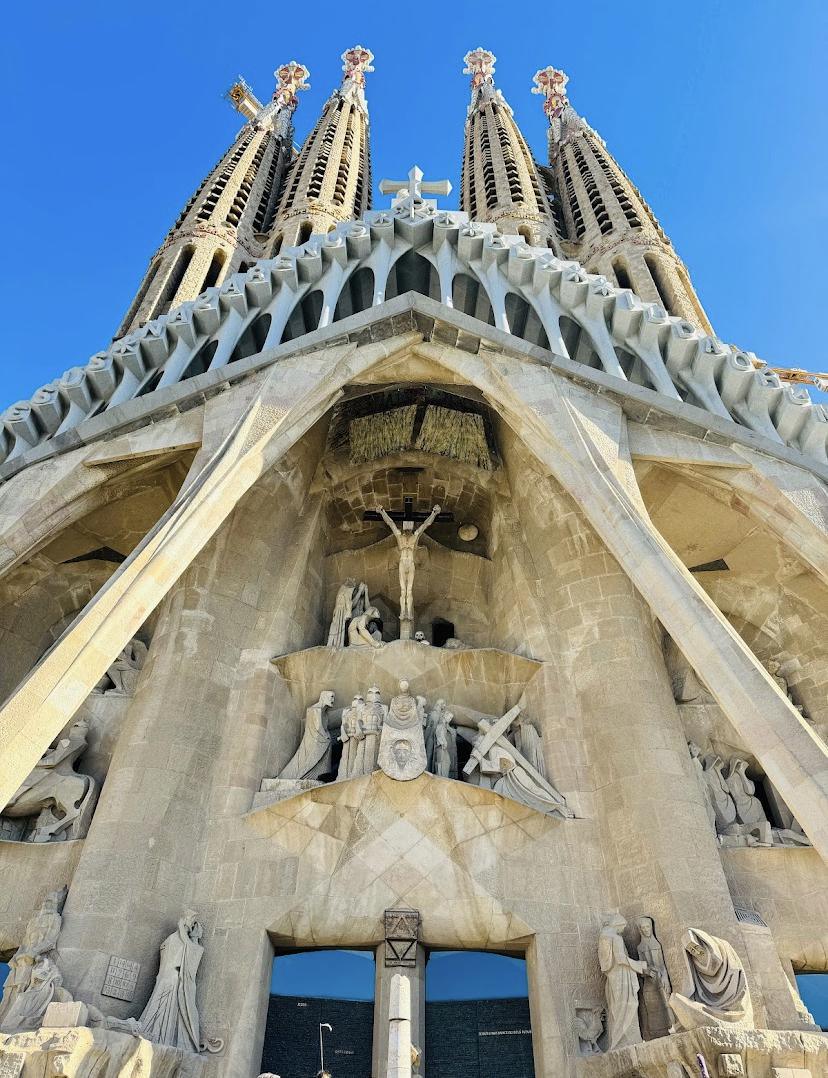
<point>441,631</point>
<point>312,988</point>
<point>489,1036</point>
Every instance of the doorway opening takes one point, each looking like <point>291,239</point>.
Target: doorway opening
<point>479,1032</point>
<point>309,992</point>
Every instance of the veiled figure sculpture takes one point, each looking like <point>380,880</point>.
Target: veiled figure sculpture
<point>719,994</point>
<point>351,600</point>
<point>171,1014</point>
<point>313,757</point>
<point>621,972</point>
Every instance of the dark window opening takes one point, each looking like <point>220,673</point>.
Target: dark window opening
<point>441,631</point>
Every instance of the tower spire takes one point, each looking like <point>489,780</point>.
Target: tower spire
<point>330,180</point>
<point>500,180</point>
<point>225,223</point>
<point>609,226</point>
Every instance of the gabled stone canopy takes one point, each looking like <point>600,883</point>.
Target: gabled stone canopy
<point>468,266</point>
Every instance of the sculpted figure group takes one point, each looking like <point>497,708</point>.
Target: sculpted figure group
<point>735,812</point>
<point>406,737</point>
<point>640,1003</point>
<point>35,981</point>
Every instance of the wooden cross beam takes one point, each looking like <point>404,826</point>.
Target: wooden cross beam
<point>408,512</point>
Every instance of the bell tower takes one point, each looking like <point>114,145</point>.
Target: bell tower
<point>610,228</point>
<point>330,180</point>
<point>500,181</point>
<point>225,223</point>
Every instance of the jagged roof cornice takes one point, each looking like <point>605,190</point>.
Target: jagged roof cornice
<point>668,354</point>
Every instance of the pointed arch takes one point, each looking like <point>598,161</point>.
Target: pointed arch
<point>524,322</point>
<point>201,360</point>
<point>578,343</point>
<point>252,340</point>
<point>304,317</point>
<point>469,296</point>
<point>357,294</point>
<point>413,273</point>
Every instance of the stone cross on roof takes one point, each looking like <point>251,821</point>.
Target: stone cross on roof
<point>410,192</point>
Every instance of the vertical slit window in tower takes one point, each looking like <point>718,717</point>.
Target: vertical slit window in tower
<point>221,182</point>
<point>665,293</point>
<point>341,185</point>
<point>277,245</point>
<point>622,275</point>
<point>268,143</point>
<point>305,233</point>
<point>152,273</point>
<point>245,187</point>
<point>594,195</point>
<point>214,270</point>
<point>572,196</point>
<point>173,283</point>
<point>632,217</point>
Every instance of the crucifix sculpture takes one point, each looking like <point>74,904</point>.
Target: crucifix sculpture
<point>407,540</point>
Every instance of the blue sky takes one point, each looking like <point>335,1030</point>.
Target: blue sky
<point>114,112</point>
<point>350,975</point>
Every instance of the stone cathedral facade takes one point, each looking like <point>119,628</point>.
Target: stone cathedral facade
<point>414,578</point>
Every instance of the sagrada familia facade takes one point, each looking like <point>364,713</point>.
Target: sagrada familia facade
<point>407,579</point>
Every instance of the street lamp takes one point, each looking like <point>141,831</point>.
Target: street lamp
<point>322,1072</point>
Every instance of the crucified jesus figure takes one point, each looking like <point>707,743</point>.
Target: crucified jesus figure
<point>407,540</point>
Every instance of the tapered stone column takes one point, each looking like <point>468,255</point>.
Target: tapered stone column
<point>636,781</point>
<point>383,1013</point>
<point>194,744</point>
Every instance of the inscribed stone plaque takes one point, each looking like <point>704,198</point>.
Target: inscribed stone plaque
<point>11,1064</point>
<point>121,978</point>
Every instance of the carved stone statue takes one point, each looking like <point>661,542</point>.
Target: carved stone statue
<point>589,1025</point>
<point>407,541</point>
<point>351,600</point>
<point>720,797</point>
<point>748,808</point>
<point>656,988</point>
<point>350,734</point>
<point>774,667</point>
<point>402,753</point>
<point>698,767</point>
<point>360,634</point>
<point>39,941</point>
<point>45,986</point>
<point>313,757</point>
<point>122,676</point>
<point>372,719</point>
<point>529,742</point>
<point>171,1014</point>
<point>621,988</point>
<point>431,725</point>
<point>420,637</point>
<point>718,994</point>
<point>508,773</point>
<point>444,761</point>
<point>63,798</point>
